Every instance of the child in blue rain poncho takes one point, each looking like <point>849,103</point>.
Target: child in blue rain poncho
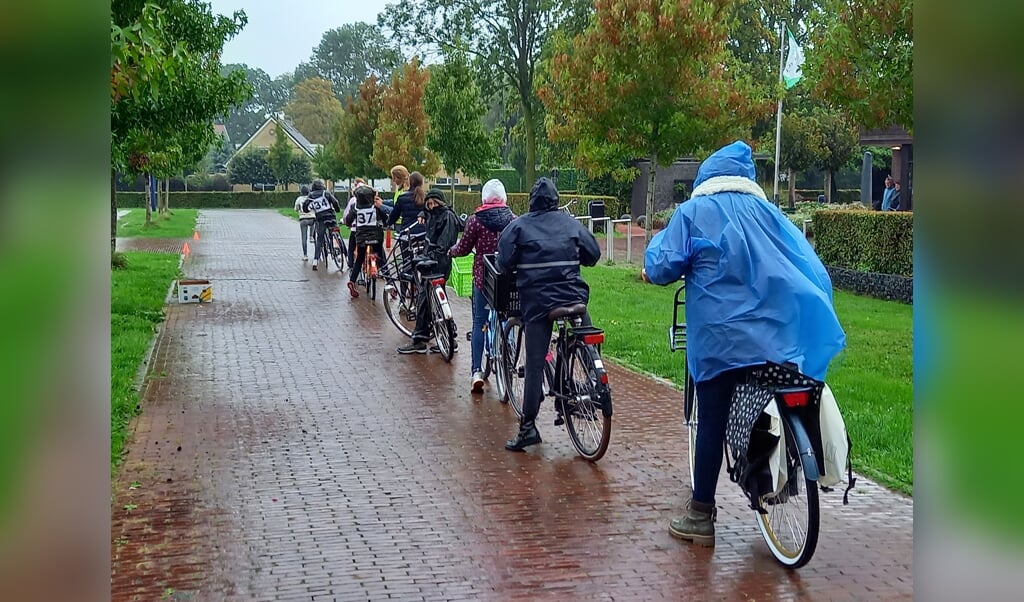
<point>755,291</point>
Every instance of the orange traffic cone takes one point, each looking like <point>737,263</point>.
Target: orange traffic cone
<point>195,236</point>
<point>185,249</point>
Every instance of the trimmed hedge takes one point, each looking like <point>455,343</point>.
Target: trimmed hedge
<point>880,286</point>
<point>866,241</point>
<point>215,200</point>
<point>519,203</point>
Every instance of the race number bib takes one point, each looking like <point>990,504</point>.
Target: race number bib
<point>366,217</point>
<point>320,204</point>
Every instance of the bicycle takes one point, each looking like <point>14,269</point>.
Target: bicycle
<point>574,375</point>
<point>400,289</point>
<point>677,342</point>
<point>368,275</point>
<point>333,246</point>
<point>442,321</point>
<point>787,514</point>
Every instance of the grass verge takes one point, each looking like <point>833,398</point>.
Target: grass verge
<point>872,378</point>
<point>180,223</point>
<point>295,216</point>
<point>136,307</point>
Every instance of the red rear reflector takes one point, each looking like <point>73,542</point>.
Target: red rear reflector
<point>593,339</point>
<point>604,378</point>
<point>798,399</point>
<point>437,282</point>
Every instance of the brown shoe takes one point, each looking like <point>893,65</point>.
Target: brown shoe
<point>697,526</point>
<point>352,290</point>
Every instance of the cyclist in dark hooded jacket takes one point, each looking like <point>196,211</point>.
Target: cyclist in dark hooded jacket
<point>366,218</point>
<point>547,247</point>
<point>325,206</point>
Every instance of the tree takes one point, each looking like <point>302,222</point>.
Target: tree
<point>507,39</point>
<point>299,170</point>
<point>453,104</point>
<point>269,97</point>
<point>279,156</point>
<point>325,163</point>
<point>314,110</point>
<point>349,54</point>
<point>861,58</point>
<point>840,142</point>
<point>800,147</point>
<point>166,86</point>
<point>402,129</point>
<point>353,145</point>
<point>647,80</point>
<point>250,167</point>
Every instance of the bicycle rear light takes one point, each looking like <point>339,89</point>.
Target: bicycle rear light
<point>796,399</point>
<point>437,282</point>
<point>593,339</point>
<point>604,378</point>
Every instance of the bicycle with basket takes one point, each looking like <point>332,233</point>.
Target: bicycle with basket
<point>774,437</point>
<point>575,375</point>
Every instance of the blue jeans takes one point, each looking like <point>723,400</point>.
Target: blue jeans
<point>714,398</point>
<point>480,313</point>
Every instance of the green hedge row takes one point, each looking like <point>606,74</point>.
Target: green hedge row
<point>519,203</point>
<point>214,200</point>
<point>866,241</point>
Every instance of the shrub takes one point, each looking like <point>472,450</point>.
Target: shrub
<point>866,241</point>
<point>215,200</point>
<point>661,218</point>
<point>519,202</point>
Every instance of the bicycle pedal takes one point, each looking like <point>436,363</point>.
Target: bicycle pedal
<point>559,420</point>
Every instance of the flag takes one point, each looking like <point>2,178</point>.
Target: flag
<point>791,73</point>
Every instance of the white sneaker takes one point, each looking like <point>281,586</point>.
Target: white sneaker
<point>478,382</point>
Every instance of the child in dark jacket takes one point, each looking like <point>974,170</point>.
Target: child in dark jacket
<point>366,218</point>
<point>481,238</point>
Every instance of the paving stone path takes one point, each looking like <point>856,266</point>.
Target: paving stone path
<point>286,452</point>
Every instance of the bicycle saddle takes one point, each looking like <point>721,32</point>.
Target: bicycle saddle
<point>425,265</point>
<point>567,312</point>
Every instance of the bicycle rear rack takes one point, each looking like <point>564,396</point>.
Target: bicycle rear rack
<point>677,332</point>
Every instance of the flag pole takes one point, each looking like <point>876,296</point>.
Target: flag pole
<point>778,123</point>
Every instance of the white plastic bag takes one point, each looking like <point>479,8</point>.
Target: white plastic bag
<point>776,462</point>
<point>834,443</point>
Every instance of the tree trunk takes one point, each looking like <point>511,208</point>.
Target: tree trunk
<point>791,203</point>
<point>113,211</point>
<point>167,198</point>
<point>828,186</point>
<point>531,142</point>
<point>149,194</point>
<point>649,221</point>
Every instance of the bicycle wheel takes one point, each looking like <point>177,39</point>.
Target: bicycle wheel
<point>587,406</point>
<point>337,249</point>
<point>400,304</point>
<point>444,330</point>
<point>790,526</point>
<point>513,364</point>
<point>690,416</point>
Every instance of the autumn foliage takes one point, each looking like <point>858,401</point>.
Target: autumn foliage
<point>354,142</point>
<point>402,129</point>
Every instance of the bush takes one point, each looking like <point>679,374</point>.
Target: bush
<point>215,200</point>
<point>866,241</point>
<point>519,202</point>
<point>661,218</point>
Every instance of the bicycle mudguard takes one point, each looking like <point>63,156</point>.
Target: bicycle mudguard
<point>442,299</point>
<point>803,443</point>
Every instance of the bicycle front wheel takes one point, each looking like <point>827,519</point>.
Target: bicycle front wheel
<point>512,362</point>
<point>337,249</point>
<point>587,407</point>
<point>400,304</point>
<point>690,416</point>
<point>444,329</point>
<point>790,525</point>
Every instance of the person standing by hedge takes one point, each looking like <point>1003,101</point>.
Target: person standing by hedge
<point>306,220</point>
<point>894,200</point>
<point>886,204</point>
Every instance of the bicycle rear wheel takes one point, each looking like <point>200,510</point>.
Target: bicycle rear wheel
<point>513,364</point>
<point>587,407</point>
<point>400,304</point>
<point>337,249</point>
<point>444,330</point>
<point>690,416</point>
<point>790,526</point>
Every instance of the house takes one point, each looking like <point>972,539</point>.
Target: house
<point>902,144</point>
<point>442,179</point>
<point>266,135</point>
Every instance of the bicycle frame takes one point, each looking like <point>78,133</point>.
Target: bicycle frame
<point>555,372</point>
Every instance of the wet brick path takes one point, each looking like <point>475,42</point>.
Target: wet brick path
<point>285,452</point>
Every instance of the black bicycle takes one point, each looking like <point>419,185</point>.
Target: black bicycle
<point>786,503</point>
<point>400,288</point>
<point>441,319</point>
<point>574,375</point>
<point>332,246</point>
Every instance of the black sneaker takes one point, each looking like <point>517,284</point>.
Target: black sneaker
<point>414,347</point>
<point>436,349</point>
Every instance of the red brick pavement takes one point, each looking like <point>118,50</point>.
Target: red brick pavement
<point>285,452</point>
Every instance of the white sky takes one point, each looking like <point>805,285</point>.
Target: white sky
<point>283,33</point>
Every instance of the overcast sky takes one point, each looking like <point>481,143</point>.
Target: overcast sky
<point>283,33</point>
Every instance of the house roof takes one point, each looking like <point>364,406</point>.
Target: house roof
<point>308,147</point>
<point>221,130</point>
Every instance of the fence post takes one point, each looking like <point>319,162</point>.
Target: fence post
<point>611,236</point>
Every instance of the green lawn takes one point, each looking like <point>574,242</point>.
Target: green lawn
<point>181,223</point>
<point>871,379</point>
<point>137,295</point>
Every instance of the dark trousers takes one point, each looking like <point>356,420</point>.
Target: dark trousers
<point>321,236</point>
<point>359,256</point>
<point>424,330</point>
<point>714,398</point>
<point>537,337</point>
<point>352,248</point>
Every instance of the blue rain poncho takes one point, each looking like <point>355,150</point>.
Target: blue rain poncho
<point>755,289</point>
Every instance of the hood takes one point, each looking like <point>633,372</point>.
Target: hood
<point>731,160</point>
<point>544,196</point>
<point>493,193</point>
<point>317,194</point>
<point>494,217</point>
